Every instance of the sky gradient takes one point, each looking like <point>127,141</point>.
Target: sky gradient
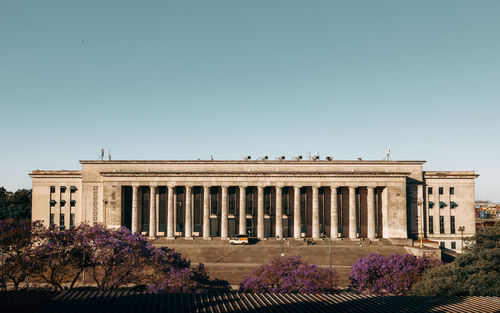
<point>191,79</point>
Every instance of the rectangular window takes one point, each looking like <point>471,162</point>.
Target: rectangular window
<point>453,245</point>
<point>284,200</point>
<point>429,190</point>
<point>51,218</point>
<point>72,203</point>
<point>232,201</point>
<point>249,202</point>
<point>440,190</point>
<point>61,221</point>
<point>63,189</point>
<point>267,201</point>
<point>72,189</point>
<point>214,203</point>
<point>72,220</point>
<point>441,224</point>
<point>431,224</point>
<point>452,221</point>
<point>52,189</point>
<point>441,244</point>
<point>452,190</point>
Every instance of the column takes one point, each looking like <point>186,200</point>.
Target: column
<point>334,215</point>
<point>352,212</point>
<point>188,230</point>
<point>296,212</point>
<point>385,213</point>
<point>157,210</point>
<point>279,212</point>
<point>223,215</point>
<point>135,209</point>
<point>315,213</point>
<point>170,212</point>
<point>260,212</point>
<point>243,213</point>
<point>206,212</point>
<point>420,213</point>
<point>371,212</point>
<point>152,213</point>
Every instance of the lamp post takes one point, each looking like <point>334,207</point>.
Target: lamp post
<point>329,250</point>
<point>461,229</point>
<point>281,241</point>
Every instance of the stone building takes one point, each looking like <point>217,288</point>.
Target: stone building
<point>264,198</point>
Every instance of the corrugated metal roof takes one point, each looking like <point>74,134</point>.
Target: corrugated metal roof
<point>134,301</point>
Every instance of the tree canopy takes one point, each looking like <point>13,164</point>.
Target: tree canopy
<point>16,205</point>
<point>475,273</point>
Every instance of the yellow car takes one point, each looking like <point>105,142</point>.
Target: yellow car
<point>239,240</point>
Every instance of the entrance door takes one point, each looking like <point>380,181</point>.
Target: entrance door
<point>231,225</point>
<point>267,227</point>
<point>250,230</point>
<point>214,227</point>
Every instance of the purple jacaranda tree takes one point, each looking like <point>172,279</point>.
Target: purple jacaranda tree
<point>394,274</point>
<point>290,275</point>
<point>53,259</point>
<point>118,256</point>
<point>172,273</point>
<point>16,240</point>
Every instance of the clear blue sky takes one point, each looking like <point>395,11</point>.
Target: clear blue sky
<point>190,79</point>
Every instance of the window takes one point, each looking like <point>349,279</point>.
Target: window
<point>431,204</point>
<point>452,221</point>
<point>51,218</point>
<point>286,207</point>
<point>249,202</point>
<point>440,190</point>
<point>72,189</point>
<point>452,190</point>
<point>232,201</point>
<point>453,204</point>
<point>72,203</point>
<point>63,189</point>
<point>267,201</point>
<point>61,221</point>
<point>52,189</point>
<point>72,220</point>
<point>453,245</point>
<point>442,204</point>
<point>429,190</point>
<point>214,195</point>
<point>431,224</point>
<point>62,202</point>
<point>441,244</point>
<point>441,224</point>
<point>53,203</point>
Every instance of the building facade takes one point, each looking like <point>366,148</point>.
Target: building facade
<point>266,199</point>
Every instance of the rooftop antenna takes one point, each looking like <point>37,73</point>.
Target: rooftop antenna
<point>101,157</point>
<point>388,155</point>
<point>109,154</point>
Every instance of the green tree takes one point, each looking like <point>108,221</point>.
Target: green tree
<point>475,273</point>
<point>16,205</point>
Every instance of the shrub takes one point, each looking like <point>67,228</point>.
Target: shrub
<point>289,275</point>
<point>394,274</point>
<point>475,273</point>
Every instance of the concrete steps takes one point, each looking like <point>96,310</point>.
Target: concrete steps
<point>232,263</point>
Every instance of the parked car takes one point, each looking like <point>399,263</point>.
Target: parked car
<point>239,240</point>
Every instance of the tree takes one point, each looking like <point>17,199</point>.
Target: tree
<point>15,205</point>
<point>475,273</point>
<point>172,273</point>
<point>394,274</point>
<point>16,241</point>
<point>289,275</point>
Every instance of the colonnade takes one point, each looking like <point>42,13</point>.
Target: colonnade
<point>352,217</point>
